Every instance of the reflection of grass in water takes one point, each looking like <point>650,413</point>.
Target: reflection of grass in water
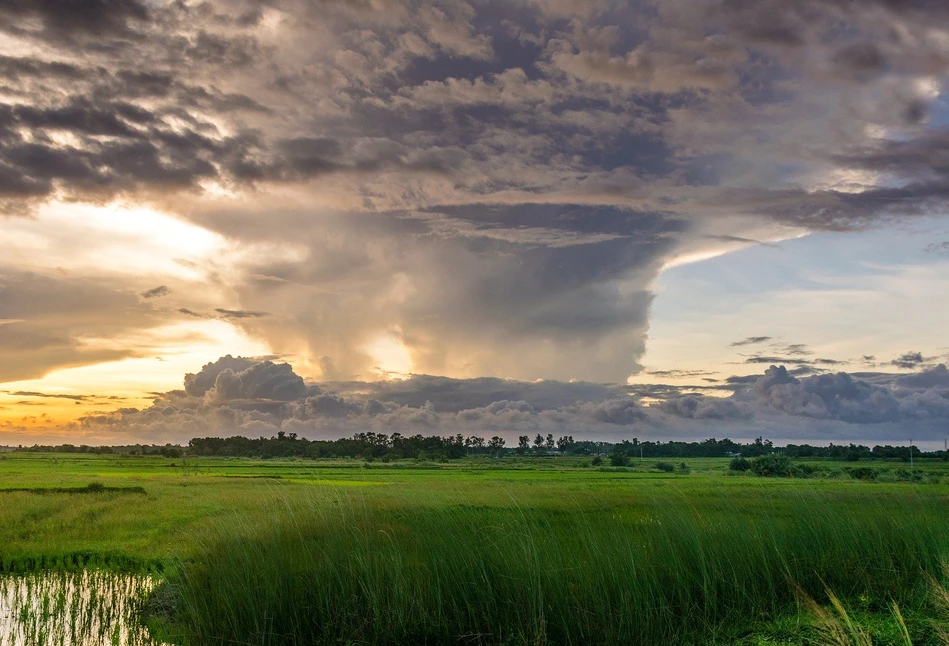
<point>73,609</point>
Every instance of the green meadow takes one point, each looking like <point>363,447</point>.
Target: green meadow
<point>492,551</point>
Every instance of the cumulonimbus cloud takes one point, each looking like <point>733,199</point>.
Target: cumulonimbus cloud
<point>491,188</point>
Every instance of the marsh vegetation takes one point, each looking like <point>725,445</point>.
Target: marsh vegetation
<point>513,551</point>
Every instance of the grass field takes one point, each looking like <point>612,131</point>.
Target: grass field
<point>484,551</point>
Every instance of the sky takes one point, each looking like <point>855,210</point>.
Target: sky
<point>650,218</point>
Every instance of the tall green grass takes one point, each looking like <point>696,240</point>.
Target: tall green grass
<point>666,568</point>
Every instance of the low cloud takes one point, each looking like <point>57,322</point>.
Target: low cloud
<point>236,395</point>
<point>240,314</point>
<point>156,292</point>
<point>909,360</point>
<point>751,340</point>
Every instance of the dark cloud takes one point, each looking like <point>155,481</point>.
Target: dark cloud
<point>265,380</point>
<point>795,349</point>
<point>861,58</point>
<point>751,340</point>
<point>908,360</point>
<point>771,359</point>
<point>240,314</point>
<point>14,68</point>
<point>95,17</point>
<point>329,405</point>
<point>31,393</point>
<point>832,396</point>
<point>156,292</point>
<point>698,407</point>
<point>503,99</point>
<point>933,377</point>
<point>118,147</point>
<point>679,374</point>
<point>453,395</point>
<point>617,411</point>
<point>738,380</point>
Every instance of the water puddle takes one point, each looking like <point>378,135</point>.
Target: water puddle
<point>73,609</point>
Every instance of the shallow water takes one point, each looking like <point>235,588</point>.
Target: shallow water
<point>73,609</point>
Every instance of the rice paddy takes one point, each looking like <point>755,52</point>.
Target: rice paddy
<point>74,609</point>
<point>530,551</point>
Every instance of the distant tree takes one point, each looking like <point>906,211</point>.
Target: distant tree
<point>538,443</point>
<point>496,444</point>
<point>565,444</point>
<point>523,444</point>
<point>549,442</point>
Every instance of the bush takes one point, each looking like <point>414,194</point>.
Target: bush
<point>772,466</point>
<point>597,461</point>
<point>684,468</point>
<point>905,475</point>
<point>665,466</point>
<point>95,486</point>
<point>862,473</point>
<point>619,460</point>
<point>740,464</point>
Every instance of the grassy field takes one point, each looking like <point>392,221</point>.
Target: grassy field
<point>484,551</point>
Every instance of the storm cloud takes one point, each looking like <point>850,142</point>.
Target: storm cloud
<point>472,189</point>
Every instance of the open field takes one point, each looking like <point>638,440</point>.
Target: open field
<point>487,551</point>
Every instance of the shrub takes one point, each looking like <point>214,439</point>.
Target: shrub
<point>772,466</point>
<point>95,486</point>
<point>740,464</point>
<point>862,473</point>
<point>619,460</point>
<point>905,475</point>
<point>665,466</point>
<point>597,461</point>
<point>684,468</point>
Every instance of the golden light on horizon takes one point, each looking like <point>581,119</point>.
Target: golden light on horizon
<point>172,351</point>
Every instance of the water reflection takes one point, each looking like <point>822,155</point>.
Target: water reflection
<point>73,609</point>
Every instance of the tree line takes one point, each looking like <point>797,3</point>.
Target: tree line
<point>372,446</point>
